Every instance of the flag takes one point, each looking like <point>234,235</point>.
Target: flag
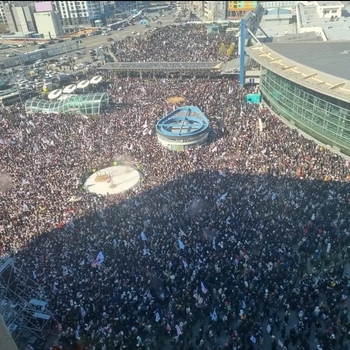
<point>185,264</point>
<point>99,260</point>
<point>157,318</point>
<point>178,330</point>
<point>82,312</point>
<point>182,233</point>
<point>204,290</point>
<point>214,316</point>
<point>221,198</point>
<point>143,236</point>
<point>214,245</point>
<point>181,245</point>
<point>77,332</point>
<point>253,339</point>
<point>273,197</point>
<point>222,173</point>
<point>280,344</point>
<point>145,252</point>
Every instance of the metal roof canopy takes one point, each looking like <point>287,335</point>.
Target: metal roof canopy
<point>184,122</point>
<point>325,56</point>
<point>163,66</point>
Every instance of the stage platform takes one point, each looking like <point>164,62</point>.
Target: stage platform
<point>112,180</point>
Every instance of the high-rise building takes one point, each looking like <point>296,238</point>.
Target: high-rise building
<point>20,18</point>
<point>75,13</point>
<point>277,4</point>
<point>3,20</point>
<point>237,9</point>
<point>214,10</point>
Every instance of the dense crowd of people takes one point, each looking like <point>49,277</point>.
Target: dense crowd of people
<point>239,244</point>
<point>176,43</point>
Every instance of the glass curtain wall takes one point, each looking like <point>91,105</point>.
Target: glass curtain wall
<point>321,116</point>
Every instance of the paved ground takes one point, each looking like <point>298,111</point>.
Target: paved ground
<point>118,179</point>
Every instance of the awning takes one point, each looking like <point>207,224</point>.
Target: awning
<point>83,84</point>
<point>54,94</point>
<point>69,89</point>
<point>96,80</point>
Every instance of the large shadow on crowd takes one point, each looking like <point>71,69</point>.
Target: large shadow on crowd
<point>258,215</point>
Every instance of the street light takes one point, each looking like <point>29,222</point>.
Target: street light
<point>25,41</point>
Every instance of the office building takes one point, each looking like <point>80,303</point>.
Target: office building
<point>277,4</point>
<point>214,10</point>
<point>238,9</point>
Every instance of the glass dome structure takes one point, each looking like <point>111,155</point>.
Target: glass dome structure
<point>88,104</point>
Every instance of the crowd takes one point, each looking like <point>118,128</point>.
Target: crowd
<point>177,43</point>
<point>239,244</point>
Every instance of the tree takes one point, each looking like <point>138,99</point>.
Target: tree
<point>230,50</point>
<point>222,48</point>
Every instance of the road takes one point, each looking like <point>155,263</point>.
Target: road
<point>96,41</point>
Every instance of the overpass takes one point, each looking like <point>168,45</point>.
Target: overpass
<point>167,68</point>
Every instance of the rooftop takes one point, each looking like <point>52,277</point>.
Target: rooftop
<point>285,62</point>
<point>277,22</point>
<point>166,66</point>
<point>338,29</point>
<point>329,3</point>
<point>186,121</point>
<point>326,56</point>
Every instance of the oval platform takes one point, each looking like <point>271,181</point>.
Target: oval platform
<point>118,179</point>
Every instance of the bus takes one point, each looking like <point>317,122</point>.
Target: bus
<point>8,91</point>
<point>10,99</point>
<point>115,26</point>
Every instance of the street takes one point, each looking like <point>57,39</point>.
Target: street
<point>98,40</point>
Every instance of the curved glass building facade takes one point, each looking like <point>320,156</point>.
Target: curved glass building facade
<point>89,104</point>
<point>321,116</point>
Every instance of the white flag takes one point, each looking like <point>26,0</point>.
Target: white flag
<point>185,264</point>
<point>221,198</point>
<point>182,233</point>
<point>214,316</point>
<point>99,260</point>
<point>157,318</point>
<point>214,243</point>
<point>143,236</point>
<point>181,245</point>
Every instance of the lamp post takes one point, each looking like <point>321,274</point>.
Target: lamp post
<point>16,80</point>
<point>25,41</point>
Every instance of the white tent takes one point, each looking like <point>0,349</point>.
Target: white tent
<point>54,94</point>
<point>96,80</point>
<point>69,89</point>
<point>83,84</point>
